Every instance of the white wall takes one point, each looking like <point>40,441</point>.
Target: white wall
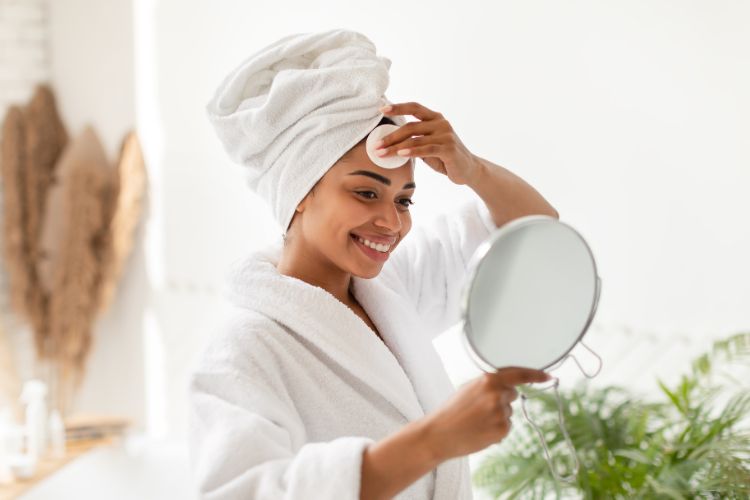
<point>24,58</point>
<point>91,54</point>
<point>631,118</point>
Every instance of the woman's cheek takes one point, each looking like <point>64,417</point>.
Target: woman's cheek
<point>359,207</point>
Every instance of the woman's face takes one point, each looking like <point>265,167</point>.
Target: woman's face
<point>357,199</point>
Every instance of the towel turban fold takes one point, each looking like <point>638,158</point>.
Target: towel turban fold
<point>288,112</point>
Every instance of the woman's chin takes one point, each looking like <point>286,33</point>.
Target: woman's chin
<point>370,273</point>
<point>366,268</point>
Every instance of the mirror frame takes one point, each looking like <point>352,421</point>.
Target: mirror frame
<point>475,263</point>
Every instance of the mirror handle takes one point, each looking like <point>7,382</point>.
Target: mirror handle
<point>580,367</point>
<point>598,358</point>
<point>591,317</point>
<point>571,477</point>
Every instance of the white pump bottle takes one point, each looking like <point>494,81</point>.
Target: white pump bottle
<point>33,394</point>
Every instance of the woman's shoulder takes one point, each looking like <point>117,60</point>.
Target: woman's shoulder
<point>240,368</point>
<point>239,342</point>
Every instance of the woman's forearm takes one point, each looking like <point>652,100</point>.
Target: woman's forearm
<point>392,464</point>
<point>506,195</point>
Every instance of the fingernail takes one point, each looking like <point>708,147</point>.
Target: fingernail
<point>403,152</point>
<point>387,108</point>
<point>379,143</point>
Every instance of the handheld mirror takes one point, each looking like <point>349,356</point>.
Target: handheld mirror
<point>531,293</point>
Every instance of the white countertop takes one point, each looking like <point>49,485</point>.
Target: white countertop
<point>139,468</point>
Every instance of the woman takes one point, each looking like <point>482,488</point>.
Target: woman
<point>325,384</point>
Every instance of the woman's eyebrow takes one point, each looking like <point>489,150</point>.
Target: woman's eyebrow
<point>378,177</point>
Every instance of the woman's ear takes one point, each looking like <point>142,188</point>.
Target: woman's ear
<point>302,204</point>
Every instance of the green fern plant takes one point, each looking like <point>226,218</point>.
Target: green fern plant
<point>692,443</point>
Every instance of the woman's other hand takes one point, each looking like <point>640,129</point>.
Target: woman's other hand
<point>478,414</point>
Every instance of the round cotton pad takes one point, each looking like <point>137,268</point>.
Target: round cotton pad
<point>392,161</point>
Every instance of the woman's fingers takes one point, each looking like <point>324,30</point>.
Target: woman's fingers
<point>511,394</point>
<point>414,109</point>
<point>505,422</point>
<point>414,134</point>
<point>400,139</point>
<point>405,132</point>
<point>515,375</point>
<point>420,151</point>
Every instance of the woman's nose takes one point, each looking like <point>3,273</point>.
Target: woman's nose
<point>391,219</point>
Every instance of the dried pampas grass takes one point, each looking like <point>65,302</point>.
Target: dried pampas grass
<point>33,137</point>
<point>126,213</point>
<point>75,240</point>
<point>69,219</point>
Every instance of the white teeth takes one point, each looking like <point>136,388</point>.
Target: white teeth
<point>376,246</point>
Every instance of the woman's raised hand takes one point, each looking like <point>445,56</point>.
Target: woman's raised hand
<point>432,139</point>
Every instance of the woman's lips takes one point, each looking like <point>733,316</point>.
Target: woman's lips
<point>371,252</point>
<point>377,239</point>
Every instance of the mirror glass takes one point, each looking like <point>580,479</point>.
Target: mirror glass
<point>531,293</point>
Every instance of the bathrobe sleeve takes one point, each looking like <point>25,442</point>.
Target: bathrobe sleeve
<point>432,260</point>
<point>247,440</point>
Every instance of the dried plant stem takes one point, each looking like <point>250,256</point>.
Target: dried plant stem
<point>69,217</point>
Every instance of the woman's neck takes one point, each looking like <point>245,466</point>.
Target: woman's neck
<point>311,268</point>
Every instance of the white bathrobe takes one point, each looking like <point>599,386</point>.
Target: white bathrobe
<point>286,397</point>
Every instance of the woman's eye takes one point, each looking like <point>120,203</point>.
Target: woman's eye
<point>405,202</point>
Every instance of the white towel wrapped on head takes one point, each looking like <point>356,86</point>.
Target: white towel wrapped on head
<point>293,108</point>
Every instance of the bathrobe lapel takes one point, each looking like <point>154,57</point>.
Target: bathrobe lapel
<point>323,320</point>
<point>402,330</point>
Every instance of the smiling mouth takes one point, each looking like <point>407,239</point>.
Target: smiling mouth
<point>374,254</point>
